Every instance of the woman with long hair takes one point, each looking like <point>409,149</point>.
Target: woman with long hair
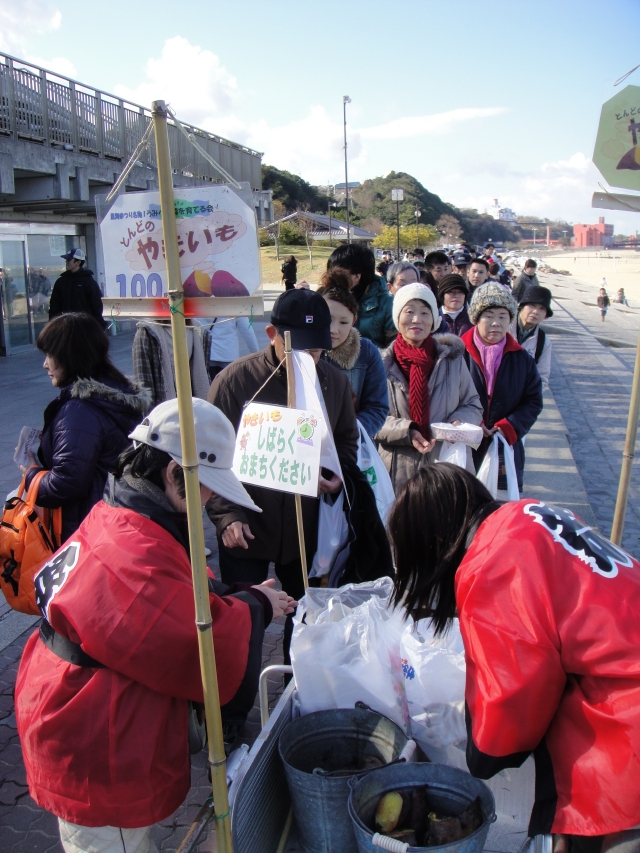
<point>356,356</point>
<point>428,382</point>
<point>87,426</point>
<point>548,615</point>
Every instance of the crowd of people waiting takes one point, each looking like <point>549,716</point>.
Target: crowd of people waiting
<point>396,349</point>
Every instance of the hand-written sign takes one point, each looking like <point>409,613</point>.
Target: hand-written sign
<point>278,448</point>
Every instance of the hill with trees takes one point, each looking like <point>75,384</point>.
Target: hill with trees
<point>371,207</point>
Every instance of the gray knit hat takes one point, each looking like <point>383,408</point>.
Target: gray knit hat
<point>491,295</point>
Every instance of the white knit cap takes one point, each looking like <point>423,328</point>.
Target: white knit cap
<point>415,291</point>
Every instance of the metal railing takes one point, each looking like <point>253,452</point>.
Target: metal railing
<point>43,107</point>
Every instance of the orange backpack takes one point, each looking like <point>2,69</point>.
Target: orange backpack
<point>28,537</point>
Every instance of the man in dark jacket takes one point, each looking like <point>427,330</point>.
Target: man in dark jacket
<point>375,321</point>
<point>526,279</point>
<point>76,290</point>
<point>249,541</point>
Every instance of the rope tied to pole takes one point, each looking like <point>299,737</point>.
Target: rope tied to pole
<point>174,308</point>
<point>192,139</point>
<point>222,816</point>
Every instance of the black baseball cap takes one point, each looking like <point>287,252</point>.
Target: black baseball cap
<point>306,315</point>
<point>462,258</point>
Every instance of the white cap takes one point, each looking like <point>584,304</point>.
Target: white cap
<point>215,443</point>
<point>75,255</point>
<point>415,291</point>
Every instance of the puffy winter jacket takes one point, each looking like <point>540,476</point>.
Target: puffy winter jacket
<point>516,401</point>
<point>452,396</point>
<point>360,360</point>
<point>76,291</point>
<point>108,746</point>
<point>454,325</point>
<point>549,617</point>
<point>375,320</point>
<point>85,430</point>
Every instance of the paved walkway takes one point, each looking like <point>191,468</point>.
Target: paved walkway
<point>591,382</point>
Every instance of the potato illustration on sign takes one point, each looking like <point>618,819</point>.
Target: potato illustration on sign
<point>200,239</point>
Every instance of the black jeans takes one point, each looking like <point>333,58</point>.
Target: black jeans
<point>255,571</point>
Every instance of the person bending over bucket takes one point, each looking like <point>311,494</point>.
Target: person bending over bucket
<point>548,613</point>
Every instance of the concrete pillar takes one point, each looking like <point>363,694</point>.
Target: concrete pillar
<point>81,184</point>
<point>61,187</point>
<point>7,183</point>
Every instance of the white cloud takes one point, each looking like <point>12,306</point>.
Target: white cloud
<point>561,189</point>
<point>438,123</point>
<point>191,79</point>
<point>21,18</point>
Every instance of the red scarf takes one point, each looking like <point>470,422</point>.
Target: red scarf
<point>417,364</point>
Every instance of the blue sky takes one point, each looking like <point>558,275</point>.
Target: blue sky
<point>476,104</point>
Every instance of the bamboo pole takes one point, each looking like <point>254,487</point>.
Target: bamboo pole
<point>217,759</point>
<point>627,455</point>
<point>291,402</point>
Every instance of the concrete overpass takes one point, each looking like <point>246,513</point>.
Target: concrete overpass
<point>62,142</point>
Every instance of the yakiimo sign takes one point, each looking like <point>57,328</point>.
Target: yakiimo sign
<point>617,149</point>
<point>217,244</point>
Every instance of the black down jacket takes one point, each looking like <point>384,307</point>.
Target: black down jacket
<point>76,291</point>
<point>516,401</point>
<point>85,429</point>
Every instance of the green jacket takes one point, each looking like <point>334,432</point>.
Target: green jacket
<point>375,320</point>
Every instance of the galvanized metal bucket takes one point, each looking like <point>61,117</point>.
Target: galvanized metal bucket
<point>450,790</point>
<point>326,742</point>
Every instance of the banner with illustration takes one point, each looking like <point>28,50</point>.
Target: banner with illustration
<point>217,243</point>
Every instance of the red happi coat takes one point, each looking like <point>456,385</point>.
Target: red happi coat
<point>109,746</point>
<point>549,614</point>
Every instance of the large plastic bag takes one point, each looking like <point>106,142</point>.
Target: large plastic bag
<point>333,532</point>
<point>489,470</point>
<point>435,672</point>
<point>346,649</point>
<point>455,453</point>
<point>372,466</point>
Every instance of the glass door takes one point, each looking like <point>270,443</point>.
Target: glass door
<point>13,296</point>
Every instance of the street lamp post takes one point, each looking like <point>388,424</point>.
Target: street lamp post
<point>330,232</point>
<point>397,195</point>
<point>418,214</point>
<point>565,235</point>
<point>346,100</point>
<point>534,235</point>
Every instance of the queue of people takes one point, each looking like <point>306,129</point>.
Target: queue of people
<point>392,358</point>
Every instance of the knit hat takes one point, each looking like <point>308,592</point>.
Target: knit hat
<point>415,291</point>
<point>539,295</point>
<point>491,295</point>
<point>449,282</point>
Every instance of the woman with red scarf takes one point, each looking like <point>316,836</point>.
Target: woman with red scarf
<point>428,382</point>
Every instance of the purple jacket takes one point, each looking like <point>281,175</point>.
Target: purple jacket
<point>85,429</point>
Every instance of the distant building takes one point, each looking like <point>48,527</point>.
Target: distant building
<point>340,190</point>
<point>323,228</point>
<point>593,235</point>
<point>504,214</point>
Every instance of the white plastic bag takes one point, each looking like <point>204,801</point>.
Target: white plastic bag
<point>343,654</point>
<point>372,467</point>
<point>488,473</point>
<point>455,453</point>
<point>333,532</point>
<point>434,679</point>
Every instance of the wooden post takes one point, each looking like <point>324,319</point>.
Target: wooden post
<point>291,402</point>
<point>627,455</point>
<point>217,758</point>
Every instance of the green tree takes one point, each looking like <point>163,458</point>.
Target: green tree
<point>427,236</point>
<point>292,191</point>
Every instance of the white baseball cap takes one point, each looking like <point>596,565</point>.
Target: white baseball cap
<point>215,443</point>
<point>75,255</point>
